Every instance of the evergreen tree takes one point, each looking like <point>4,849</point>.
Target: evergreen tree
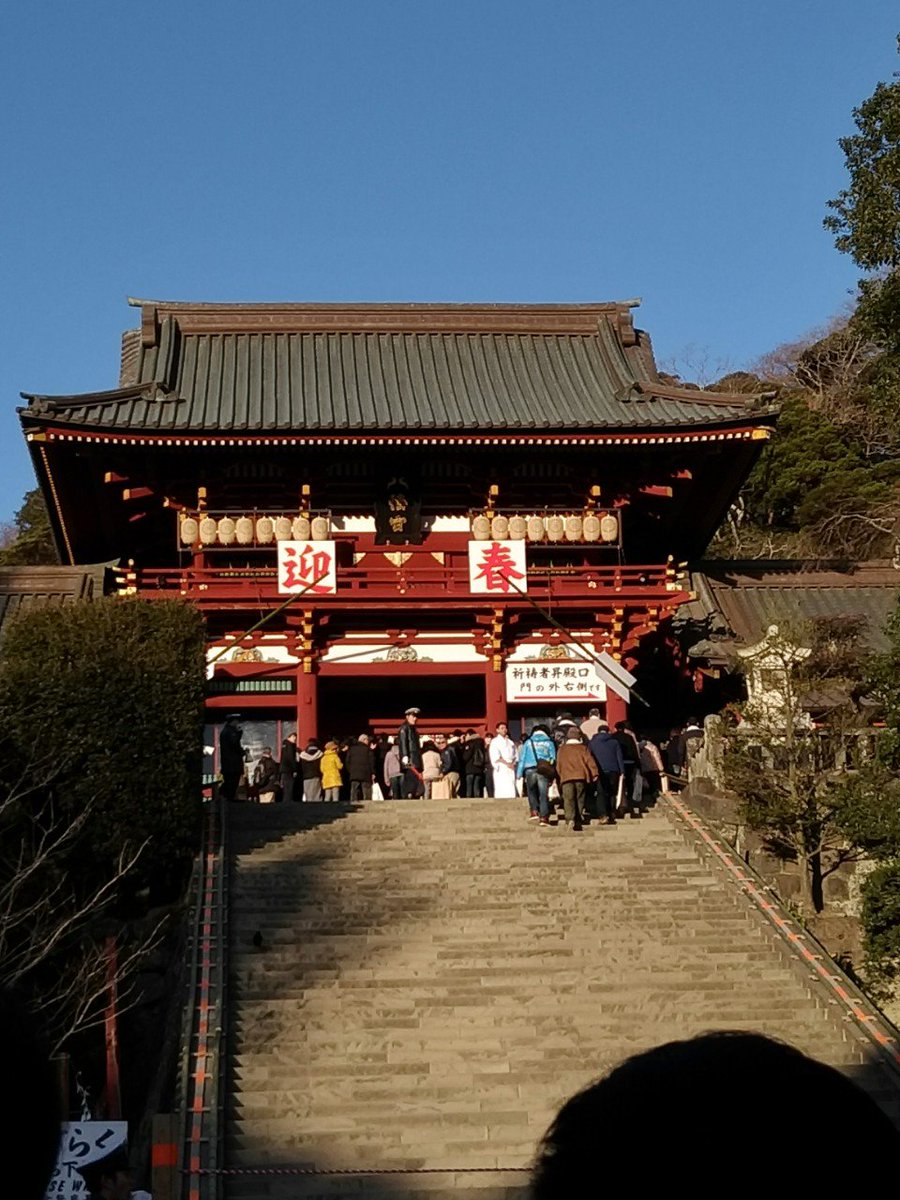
<point>32,542</point>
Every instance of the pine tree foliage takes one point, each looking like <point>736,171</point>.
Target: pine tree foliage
<point>31,543</point>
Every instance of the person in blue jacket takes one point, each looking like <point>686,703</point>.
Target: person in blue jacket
<point>608,753</point>
<point>538,747</point>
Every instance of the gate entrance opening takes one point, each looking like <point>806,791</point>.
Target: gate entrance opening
<point>352,704</point>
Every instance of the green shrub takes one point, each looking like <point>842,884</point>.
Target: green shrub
<point>101,709</point>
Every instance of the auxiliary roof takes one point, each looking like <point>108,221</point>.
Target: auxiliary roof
<point>23,588</point>
<point>747,597</point>
<point>206,368</point>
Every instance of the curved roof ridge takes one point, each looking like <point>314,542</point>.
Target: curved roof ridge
<point>667,391</point>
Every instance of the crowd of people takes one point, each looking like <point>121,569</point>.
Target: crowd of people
<point>591,771</point>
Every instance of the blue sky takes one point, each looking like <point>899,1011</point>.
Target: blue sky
<point>521,150</point>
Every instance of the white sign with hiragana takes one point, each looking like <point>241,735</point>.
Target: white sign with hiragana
<point>552,682</point>
<point>82,1143</point>
<point>307,567</point>
<point>497,568</point>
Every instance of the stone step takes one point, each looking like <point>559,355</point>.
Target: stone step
<point>437,978</point>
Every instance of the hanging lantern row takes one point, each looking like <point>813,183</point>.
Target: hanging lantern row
<point>245,531</point>
<point>553,527</point>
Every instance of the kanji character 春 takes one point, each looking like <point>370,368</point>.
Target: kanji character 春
<point>497,568</point>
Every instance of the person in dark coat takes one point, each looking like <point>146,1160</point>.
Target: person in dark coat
<point>360,764</point>
<point>265,777</point>
<point>474,753</point>
<point>631,756</point>
<point>451,761</point>
<point>231,756</point>
<point>608,755</point>
<point>311,770</point>
<point>410,749</point>
<point>288,767</point>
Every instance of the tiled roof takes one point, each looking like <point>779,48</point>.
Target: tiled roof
<point>25,588</point>
<point>387,368</point>
<point>748,598</point>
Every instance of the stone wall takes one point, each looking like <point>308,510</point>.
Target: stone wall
<point>837,927</point>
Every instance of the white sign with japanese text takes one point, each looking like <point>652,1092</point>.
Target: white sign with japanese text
<point>307,567</point>
<point>82,1142</point>
<point>541,682</point>
<point>497,568</point>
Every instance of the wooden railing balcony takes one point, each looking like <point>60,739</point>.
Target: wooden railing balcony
<point>422,580</point>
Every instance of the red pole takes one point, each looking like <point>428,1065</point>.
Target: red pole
<point>113,1090</point>
<point>495,698</point>
<point>616,708</point>
<point>307,703</point>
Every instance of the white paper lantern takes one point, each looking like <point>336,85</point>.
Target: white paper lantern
<point>320,529</point>
<point>265,530</point>
<point>518,528</point>
<point>243,529</point>
<point>500,528</point>
<point>300,529</point>
<point>556,527</point>
<point>536,529</point>
<point>226,531</point>
<point>609,527</point>
<point>189,531</point>
<point>481,528</point>
<point>590,529</point>
<point>283,529</point>
<point>207,531</point>
<point>573,527</point>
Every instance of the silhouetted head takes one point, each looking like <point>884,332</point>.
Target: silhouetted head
<point>686,1111</point>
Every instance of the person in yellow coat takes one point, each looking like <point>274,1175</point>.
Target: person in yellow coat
<point>331,772</point>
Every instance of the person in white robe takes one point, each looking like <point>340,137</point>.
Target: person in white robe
<point>503,755</point>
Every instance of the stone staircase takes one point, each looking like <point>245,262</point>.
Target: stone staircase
<point>436,977</point>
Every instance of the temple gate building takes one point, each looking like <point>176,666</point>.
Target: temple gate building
<point>457,506</point>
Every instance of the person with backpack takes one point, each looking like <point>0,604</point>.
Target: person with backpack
<point>265,777</point>
<point>537,766</point>
<point>474,754</point>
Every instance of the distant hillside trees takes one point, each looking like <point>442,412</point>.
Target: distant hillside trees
<point>829,483</point>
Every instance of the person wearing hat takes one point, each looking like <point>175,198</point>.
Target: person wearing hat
<point>410,749</point>
<point>231,756</point>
